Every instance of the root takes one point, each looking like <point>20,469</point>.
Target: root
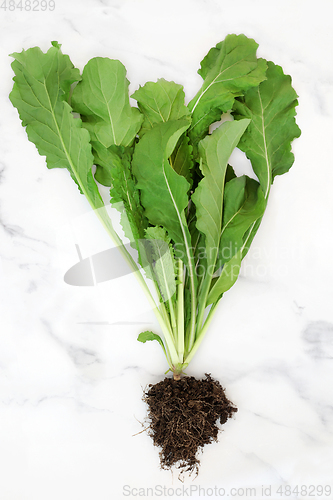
<point>183,415</point>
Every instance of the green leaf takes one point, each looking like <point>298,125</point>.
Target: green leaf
<point>226,280</point>
<point>244,203</point>
<point>124,190</point>
<point>104,159</point>
<point>228,70</point>
<point>181,158</point>
<point>39,93</point>
<point>158,261</point>
<point>267,141</point>
<point>197,241</point>
<point>146,336</point>
<point>103,101</point>
<point>215,151</point>
<point>199,259</point>
<point>160,102</point>
<point>230,173</point>
<point>125,197</point>
<point>164,193</point>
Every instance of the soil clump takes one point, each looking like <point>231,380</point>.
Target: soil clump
<point>183,417</point>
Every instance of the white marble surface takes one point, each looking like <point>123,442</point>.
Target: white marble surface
<point>71,379</point>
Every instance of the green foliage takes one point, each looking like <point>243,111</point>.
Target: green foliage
<point>159,102</point>
<point>164,193</point>
<point>147,336</point>
<point>244,203</point>
<point>214,151</point>
<point>40,94</point>
<point>102,99</point>
<point>267,142</point>
<point>228,277</point>
<point>184,210</point>
<point>162,102</point>
<point>228,70</point>
<point>125,195</point>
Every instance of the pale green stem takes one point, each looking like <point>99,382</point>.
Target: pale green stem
<point>202,301</point>
<point>172,358</point>
<point>180,311</point>
<point>167,354</point>
<point>173,317</point>
<point>193,309</point>
<point>201,334</point>
<point>166,319</point>
<point>172,351</point>
<point>192,287</point>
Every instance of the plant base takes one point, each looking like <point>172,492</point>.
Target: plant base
<point>183,416</point>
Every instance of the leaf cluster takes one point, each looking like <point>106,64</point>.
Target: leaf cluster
<point>184,210</point>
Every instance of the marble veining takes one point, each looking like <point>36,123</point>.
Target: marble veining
<point>318,337</point>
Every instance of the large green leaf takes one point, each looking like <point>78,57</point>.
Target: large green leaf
<point>244,203</point>
<point>160,101</point>
<point>267,141</point>
<point>228,70</point>
<point>226,280</point>
<point>39,93</point>
<point>215,151</point>
<point>103,101</point>
<point>164,193</point>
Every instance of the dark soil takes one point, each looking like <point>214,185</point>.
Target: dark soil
<point>183,416</point>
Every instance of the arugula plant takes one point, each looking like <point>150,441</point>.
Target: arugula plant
<point>189,217</point>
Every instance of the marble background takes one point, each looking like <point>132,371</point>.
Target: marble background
<point>71,370</point>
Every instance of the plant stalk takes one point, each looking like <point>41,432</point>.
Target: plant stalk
<point>180,310</point>
<point>201,334</point>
